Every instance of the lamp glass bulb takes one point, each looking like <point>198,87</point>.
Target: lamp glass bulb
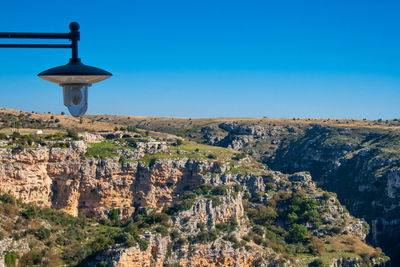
<point>76,98</point>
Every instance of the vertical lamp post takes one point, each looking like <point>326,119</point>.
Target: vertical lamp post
<point>74,77</point>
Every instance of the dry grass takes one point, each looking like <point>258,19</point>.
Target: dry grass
<point>25,131</point>
<point>88,123</point>
<point>109,122</point>
<point>158,122</point>
<point>349,244</point>
<point>66,120</point>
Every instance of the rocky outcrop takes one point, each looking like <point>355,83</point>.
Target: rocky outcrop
<point>360,164</point>
<point>90,137</point>
<point>66,179</point>
<point>154,255</point>
<point>217,254</point>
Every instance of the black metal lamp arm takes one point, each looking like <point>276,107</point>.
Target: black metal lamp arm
<point>73,36</point>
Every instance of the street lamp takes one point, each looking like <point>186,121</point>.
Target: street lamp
<point>74,77</point>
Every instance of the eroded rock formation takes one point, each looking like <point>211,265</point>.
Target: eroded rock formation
<point>67,180</point>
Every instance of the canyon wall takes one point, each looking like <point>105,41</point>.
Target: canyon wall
<point>66,179</point>
<point>360,164</point>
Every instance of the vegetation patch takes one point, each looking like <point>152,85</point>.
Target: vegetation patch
<point>68,240</point>
<point>101,150</point>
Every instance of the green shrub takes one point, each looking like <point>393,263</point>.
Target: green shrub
<point>163,230</point>
<point>268,178</point>
<point>216,201</point>
<point>31,258</point>
<point>36,257</point>
<point>326,196</point>
<point>143,243</point>
<point>221,226</point>
<point>175,235</point>
<point>188,203</point>
<point>122,238</point>
<point>72,133</point>
<point>100,243</point>
<point>204,189</point>
<point>10,258</point>
<point>228,226</point>
<point>211,156</point>
<point>62,241</point>
<point>271,235</point>
<point>122,160</point>
<point>179,142</point>
<point>201,226</point>
<point>291,218</point>
<point>262,215</point>
<point>247,238</point>
<point>180,242</point>
<point>7,199</point>
<point>220,190</point>
<point>42,233</point>
<point>269,186</point>
<point>132,129</point>
<point>232,224</point>
<point>300,210</point>
<point>237,188</point>
<point>31,212</point>
<point>257,239</point>
<point>161,218</point>
<point>247,195</point>
<point>298,233</point>
<point>16,135</point>
<point>316,263</point>
<point>132,229</point>
<point>130,242</point>
<point>204,236</point>
<point>113,216</point>
<point>171,210</point>
<point>336,230</point>
<point>366,227</point>
<point>311,216</point>
<point>239,156</point>
<point>232,239</point>
<point>258,230</point>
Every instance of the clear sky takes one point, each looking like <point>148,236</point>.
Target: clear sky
<point>332,59</point>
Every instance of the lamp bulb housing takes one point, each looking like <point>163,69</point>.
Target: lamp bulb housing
<point>76,98</point>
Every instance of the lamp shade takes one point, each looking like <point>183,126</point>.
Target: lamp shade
<point>74,73</point>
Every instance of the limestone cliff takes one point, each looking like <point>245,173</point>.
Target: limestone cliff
<point>358,160</point>
<point>185,204</point>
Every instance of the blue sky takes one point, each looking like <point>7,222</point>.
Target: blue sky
<point>331,59</point>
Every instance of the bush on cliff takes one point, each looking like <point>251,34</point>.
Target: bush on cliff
<point>298,233</point>
<point>10,258</point>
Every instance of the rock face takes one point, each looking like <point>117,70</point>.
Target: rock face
<point>64,179</point>
<point>360,165</point>
<point>154,255</point>
<point>135,257</point>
